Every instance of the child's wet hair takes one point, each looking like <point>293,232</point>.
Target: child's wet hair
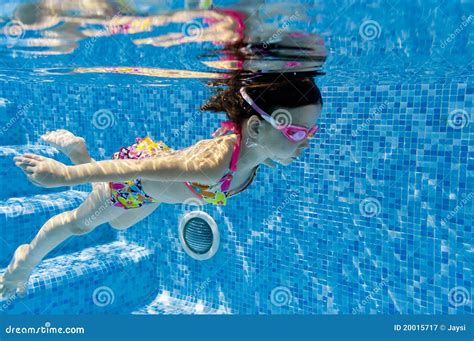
<point>281,93</point>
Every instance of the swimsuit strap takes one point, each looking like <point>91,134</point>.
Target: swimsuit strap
<point>235,128</point>
<point>225,128</point>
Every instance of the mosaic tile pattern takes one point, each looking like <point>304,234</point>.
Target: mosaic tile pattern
<point>103,279</point>
<point>165,304</point>
<point>380,206</point>
<point>22,217</point>
<point>382,209</point>
<point>8,170</point>
<point>376,217</point>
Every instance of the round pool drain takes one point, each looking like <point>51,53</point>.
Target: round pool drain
<point>199,235</point>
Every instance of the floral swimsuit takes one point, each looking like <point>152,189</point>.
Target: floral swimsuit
<point>129,194</point>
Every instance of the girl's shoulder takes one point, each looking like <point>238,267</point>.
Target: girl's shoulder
<point>218,151</point>
<point>213,155</point>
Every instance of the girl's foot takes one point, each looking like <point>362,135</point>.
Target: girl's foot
<point>15,278</point>
<point>68,143</point>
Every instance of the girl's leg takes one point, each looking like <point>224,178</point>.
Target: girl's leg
<point>94,211</point>
<point>131,217</point>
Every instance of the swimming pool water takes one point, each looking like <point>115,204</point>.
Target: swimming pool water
<point>375,218</point>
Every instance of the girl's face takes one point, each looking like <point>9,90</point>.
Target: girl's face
<point>278,147</point>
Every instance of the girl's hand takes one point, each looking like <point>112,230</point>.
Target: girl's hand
<point>42,171</point>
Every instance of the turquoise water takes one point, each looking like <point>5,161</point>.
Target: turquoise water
<point>375,218</point>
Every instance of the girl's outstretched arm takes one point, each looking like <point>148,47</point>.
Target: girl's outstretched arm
<point>204,162</point>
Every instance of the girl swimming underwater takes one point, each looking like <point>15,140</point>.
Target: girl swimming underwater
<point>267,122</point>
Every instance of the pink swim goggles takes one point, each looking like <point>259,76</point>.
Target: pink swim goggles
<point>294,133</point>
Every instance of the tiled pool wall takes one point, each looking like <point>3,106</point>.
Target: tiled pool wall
<point>375,218</point>
<point>380,206</point>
